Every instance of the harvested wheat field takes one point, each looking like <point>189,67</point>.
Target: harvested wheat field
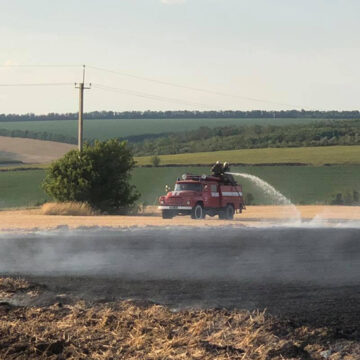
<point>33,151</point>
<point>54,215</point>
<point>133,330</point>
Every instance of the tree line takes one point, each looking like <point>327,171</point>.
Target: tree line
<point>322,133</point>
<point>40,135</point>
<point>185,114</point>
<point>316,133</point>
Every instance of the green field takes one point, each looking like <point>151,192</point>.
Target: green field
<point>104,129</point>
<point>301,184</point>
<point>307,155</point>
<point>6,157</point>
<point>21,188</point>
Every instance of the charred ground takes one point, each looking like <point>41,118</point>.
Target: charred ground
<point>133,330</point>
<point>194,293</point>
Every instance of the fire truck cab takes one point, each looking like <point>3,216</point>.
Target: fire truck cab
<point>203,195</point>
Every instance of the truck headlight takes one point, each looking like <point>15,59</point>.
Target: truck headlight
<point>188,202</point>
<point>162,202</point>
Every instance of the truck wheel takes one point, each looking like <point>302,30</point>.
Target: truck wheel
<point>167,214</point>
<point>198,212</point>
<point>229,212</point>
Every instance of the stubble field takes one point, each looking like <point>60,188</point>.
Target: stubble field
<point>31,150</point>
<point>181,293</point>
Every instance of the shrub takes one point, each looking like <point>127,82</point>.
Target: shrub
<point>338,200</point>
<point>356,197</point>
<point>249,199</point>
<point>99,176</point>
<point>155,160</point>
<point>349,198</point>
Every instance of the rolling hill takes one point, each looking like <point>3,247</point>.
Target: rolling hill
<point>316,156</point>
<point>31,151</point>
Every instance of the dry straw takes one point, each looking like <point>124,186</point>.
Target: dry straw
<point>68,208</point>
<point>128,330</point>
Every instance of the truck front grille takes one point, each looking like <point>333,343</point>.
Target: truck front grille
<point>174,201</point>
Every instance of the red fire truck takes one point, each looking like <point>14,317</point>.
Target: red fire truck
<point>203,195</point>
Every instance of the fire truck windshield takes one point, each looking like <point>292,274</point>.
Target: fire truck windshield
<point>188,187</point>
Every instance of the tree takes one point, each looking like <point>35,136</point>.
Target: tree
<point>348,198</point>
<point>356,197</point>
<point>99,175</point>
<point>338,200</point>
<point>155,160</point>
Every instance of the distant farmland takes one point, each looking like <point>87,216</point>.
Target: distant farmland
<point>31,150</point>
<point>307,155</point>
<point>104,129</point>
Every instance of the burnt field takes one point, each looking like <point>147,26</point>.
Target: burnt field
<point>286,270</point>
<point>306,278</point>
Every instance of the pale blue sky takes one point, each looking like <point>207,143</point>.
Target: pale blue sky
<point>296,52</point>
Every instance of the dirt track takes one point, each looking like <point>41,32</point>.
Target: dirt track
<point>253,216</point>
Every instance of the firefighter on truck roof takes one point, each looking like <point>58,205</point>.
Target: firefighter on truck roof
<point>222,171</point>
<point>228,178</point>
<point>217,169</point>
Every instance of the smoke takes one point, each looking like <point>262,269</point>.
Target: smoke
<point>261,255</point>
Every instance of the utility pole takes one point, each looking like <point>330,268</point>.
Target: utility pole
<point>81,86</point>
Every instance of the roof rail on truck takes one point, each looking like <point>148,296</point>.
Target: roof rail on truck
<point>193,177</point>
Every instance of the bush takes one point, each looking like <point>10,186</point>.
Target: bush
<point>99,176</point>
<point>338,200</point>
<point>356,197</point>
<point>349,198</point>
<point>155,161</point>
<point>249,199</point>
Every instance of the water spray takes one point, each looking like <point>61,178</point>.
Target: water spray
<point>271,191</point>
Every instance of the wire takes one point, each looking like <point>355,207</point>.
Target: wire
<point>147,95</point>
<point>37,84</point>
<point>40,65</point>
<point>193,88</point>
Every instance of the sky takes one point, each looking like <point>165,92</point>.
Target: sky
<point>180,54</point>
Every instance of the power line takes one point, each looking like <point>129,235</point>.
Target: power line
<point>152,80</point>
<point>147,95</point>
<point>35,84</point>
<point>167,83</point>
<point>39,66</point>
